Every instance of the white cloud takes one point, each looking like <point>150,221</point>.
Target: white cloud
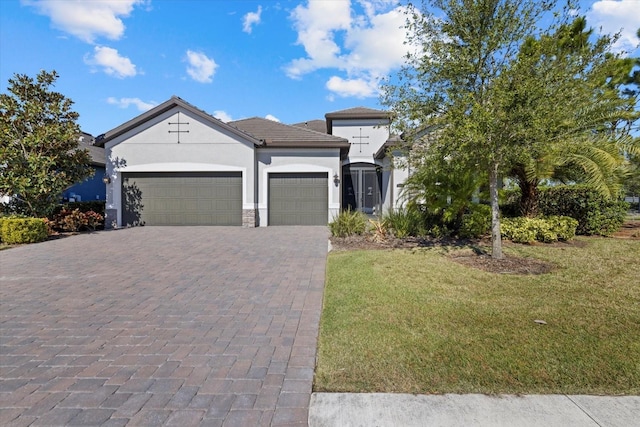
<point>251,19</point>
<point>87,20</point>
<point>365,47</point>
<point>359,88</point>
<point>272,118</point>
<point>111,62</point>
<point>201,68</point>
<point>316,25</point>
<point>222,115</point>
<point>622,16</point>
<point>137,102</point>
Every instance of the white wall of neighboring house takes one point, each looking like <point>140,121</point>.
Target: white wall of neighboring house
<point>150,147</point>
<point>296,160</point>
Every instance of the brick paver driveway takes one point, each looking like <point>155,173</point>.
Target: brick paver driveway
<point>162,326</point>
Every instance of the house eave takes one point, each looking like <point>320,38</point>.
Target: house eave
<point>173,102</point>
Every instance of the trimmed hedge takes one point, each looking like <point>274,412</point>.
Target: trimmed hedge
<point>547,230</point>
<point>596,214</point>
<point>23,230</point>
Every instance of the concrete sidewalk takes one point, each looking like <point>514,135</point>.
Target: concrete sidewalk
<point>407,410</point>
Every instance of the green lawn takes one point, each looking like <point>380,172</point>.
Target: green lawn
<point>414,321</point>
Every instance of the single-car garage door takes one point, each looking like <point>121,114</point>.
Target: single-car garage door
<point>298,199</point>
<point>180,198</point>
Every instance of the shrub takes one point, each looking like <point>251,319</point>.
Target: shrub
<point>405,222</point>
<point>510,202</point>
<point>22,230</point>
<point>595,213</point>
<point>529,230</point>
<point>564,226</point>
<point>518,230</point>
<point>348,223</point>
<point>75,220</point>
<point>379,230</point>
<point>96,206</point>
<point>476,222</point>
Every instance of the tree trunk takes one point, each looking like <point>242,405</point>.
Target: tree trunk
<point>496,238</point>
<point>528,205</point>
<point>529,197</point>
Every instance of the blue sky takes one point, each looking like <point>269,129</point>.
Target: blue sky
<point>286,60</point>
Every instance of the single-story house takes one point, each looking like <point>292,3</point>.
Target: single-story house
<point>177,165</point>
<point>92,188</point>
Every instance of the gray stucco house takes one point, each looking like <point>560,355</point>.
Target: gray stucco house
<point>178,165</point>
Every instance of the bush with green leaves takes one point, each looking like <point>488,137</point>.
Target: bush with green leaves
<point>596,214</point>
<point>476,222</point>
<point>546,230</point>
<point>564,226</point>
<point>405,222</point>
<point>22,230</point>
<point>348,223</point>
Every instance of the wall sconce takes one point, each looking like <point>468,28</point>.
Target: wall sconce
<point>106,179</point>
<point>336,179</point>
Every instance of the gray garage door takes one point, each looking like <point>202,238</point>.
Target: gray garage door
<point>202,198</point>
<point>298,199</point>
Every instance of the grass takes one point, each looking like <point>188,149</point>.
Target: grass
<point>417,322</point>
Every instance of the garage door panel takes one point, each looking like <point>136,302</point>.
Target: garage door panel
<point>182,198</point>
<point>298,198</point>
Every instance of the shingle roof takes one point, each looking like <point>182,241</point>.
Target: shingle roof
<point>86,141</point>
<point>281,135</point>
<point>316,125</point>
<point>162,108</point>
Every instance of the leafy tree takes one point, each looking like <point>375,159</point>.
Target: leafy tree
<point>39,144</point>
<point>450,78</point>
<point>570,102</point>
<point>508,97</point>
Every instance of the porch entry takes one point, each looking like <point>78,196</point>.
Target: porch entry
<point>361,183</point>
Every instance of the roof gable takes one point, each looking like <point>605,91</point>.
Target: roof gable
<point>357,113</point>
<point>164,107</point>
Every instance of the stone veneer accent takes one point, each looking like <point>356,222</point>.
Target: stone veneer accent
<point>248,218</point>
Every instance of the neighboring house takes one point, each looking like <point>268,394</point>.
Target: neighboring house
<point>91,188</point>
<point>176,164</point>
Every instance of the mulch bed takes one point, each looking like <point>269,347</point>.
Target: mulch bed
<point>471,252</point>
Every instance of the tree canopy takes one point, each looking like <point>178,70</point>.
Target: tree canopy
<point>39,150</point>
<point>507,96</point>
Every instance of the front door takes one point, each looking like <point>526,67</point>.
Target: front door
<point>361,188</point>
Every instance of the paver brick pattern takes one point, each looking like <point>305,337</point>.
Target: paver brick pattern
<point>183,326</point>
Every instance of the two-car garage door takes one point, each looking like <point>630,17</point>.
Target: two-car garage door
<point>215,198</point>
<point>168,198</point>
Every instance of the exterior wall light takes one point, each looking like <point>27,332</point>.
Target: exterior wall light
<point>106,179</point>
<point>336,179</point>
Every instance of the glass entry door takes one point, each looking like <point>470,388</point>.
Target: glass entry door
<point>361,188</point>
